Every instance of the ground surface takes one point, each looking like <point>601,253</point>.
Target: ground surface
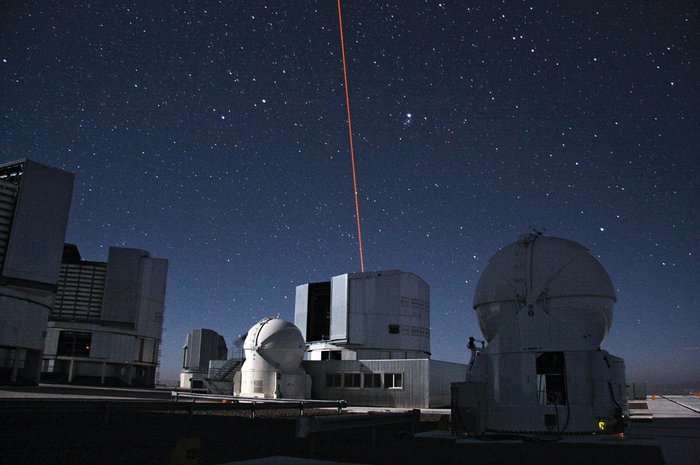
<point>65,426</point>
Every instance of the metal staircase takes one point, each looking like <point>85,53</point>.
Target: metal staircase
<point>220,380</point>
<point>223,372</point>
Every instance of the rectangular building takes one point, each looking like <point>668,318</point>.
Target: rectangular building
<point>106,323</point>
<point>372,315</point>
<point>368,341</point>
<point>404,383</point>
<point>34,206</point>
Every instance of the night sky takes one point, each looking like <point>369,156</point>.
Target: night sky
<point>214,134</point>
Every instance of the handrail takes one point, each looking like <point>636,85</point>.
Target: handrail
<point>258,403</point>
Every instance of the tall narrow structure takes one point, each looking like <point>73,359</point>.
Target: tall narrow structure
<point>106,323</point>
<point>34,206</point>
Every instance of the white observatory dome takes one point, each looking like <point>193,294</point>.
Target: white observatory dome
<point>544,293</point>
<point>278,341</point>
<point>274,350</point>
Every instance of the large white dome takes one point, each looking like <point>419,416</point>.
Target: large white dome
<point>541,292</point>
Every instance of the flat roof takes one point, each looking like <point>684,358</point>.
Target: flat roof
<point>669,422</point>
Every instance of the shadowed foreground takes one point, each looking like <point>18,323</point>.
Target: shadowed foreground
<point>55,435</point>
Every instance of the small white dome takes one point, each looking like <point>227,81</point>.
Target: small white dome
<point>277,341</point>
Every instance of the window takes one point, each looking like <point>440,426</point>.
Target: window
<point>371,380</point>
<point>196,384</point>
<point>353,380</point>
<point>74,344</point>
<point>393,381</point>
<point>48,366</point>
<point>331,355</point>
<point>551,379</point>
<point>393,329</point>
<point>334,380</point>
<point>258,386</point>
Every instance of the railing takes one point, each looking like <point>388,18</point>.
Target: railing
<point>226,369</point>
<point>253,403</point>
<point>103,407</point>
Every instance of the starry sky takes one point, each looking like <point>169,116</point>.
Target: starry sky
<point>214,134</point>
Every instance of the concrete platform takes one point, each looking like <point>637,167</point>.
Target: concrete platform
<point>675,426</point>
<point>662,406</point>
<point>664,429</point>
<point>669,422</point>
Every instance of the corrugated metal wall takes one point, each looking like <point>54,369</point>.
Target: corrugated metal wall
<point>426,383</point>
<point>414,392</point>
<point>442,375</point>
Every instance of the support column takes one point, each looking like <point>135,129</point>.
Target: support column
<point>15,366</point>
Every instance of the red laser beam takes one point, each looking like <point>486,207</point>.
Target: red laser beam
<point>352,149</point>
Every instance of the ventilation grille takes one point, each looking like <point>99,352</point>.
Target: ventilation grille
<point>80,290</point>
<point>8,200</point>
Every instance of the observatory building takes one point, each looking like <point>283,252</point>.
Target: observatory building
<point>106,323</point>
<point>544,305</point>
<point>274,350</point>
<point>368,341</point>
<point>64,318</point>
<point>202,346</point>
<point>360,337</point>
<point>34,205</point>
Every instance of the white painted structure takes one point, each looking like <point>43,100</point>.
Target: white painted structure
<point>368,341</point>
<point>274,350</point>
<point>400,383</point>
<point>544,305</point>
<point>361,337</point>
<point>360,316</point>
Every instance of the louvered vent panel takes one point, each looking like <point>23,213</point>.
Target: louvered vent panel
<point>8,200</point>
<point>80,291</point>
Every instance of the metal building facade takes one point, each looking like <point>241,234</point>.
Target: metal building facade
<point>201,346</point>
<point>405,383</point>
<point>375,315</point>
<point>368,341</point>
<point>34,206</point>
<point>106,324</point>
